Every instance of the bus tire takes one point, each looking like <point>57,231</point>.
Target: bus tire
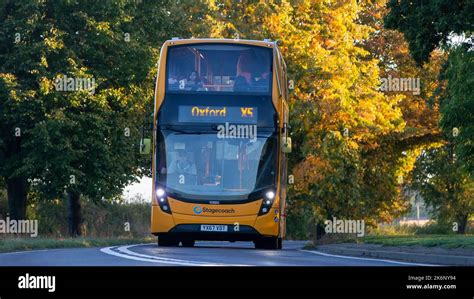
<point>187,243</point>
<point>166,241</point>
<point>271,243</point>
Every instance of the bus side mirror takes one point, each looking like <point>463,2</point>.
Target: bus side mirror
<point>286,144</point>
<point>145,143</point>
<point>145,146</point>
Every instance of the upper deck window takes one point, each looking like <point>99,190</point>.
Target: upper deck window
<point>219,68</point>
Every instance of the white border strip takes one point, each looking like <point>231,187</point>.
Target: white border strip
<point>124,252</point>
<point>30,251</point>
<point>368,259</point>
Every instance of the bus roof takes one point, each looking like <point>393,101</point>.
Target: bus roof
<point>178,41</point>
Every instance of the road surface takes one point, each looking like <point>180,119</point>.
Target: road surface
<point>203,254</point>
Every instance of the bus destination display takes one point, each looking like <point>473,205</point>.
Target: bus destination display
<point>218,114</point>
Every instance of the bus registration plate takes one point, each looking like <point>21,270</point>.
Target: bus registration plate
<point>213,228</point>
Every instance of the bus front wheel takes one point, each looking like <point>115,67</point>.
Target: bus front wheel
<point>166,241</point>
<point>268,243</point>
<point>187,243</point>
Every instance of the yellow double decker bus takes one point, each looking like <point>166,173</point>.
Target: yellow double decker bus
<point>220,143</point>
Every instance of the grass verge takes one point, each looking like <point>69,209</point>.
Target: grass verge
<point>431,240</point>
<point>446,241</point>
<point>22,244</point>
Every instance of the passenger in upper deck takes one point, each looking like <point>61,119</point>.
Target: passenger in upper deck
<point>173,81</point>
<point>194,83</point>
<point>246,71</point>
<point>252,74</point>
<point>263,80</point>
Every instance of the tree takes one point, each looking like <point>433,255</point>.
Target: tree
<point>448,26</point>
<point>457,104</point>
<point>388,165</point>
<point>19,65</point>
<point>428,25</point>
<point>445,186</point>
<point>337,113</point>
<point>82,142</point>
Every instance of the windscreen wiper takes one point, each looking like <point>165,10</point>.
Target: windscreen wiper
<point>180,131</point>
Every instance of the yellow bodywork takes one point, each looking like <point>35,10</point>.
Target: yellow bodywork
<point>247,215</point>
<point>271,224</point>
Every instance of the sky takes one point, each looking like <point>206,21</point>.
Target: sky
<point>143,188</point>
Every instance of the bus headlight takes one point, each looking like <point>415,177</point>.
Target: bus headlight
<point>270,195</point>
<point>267,202</point>
<point>163,200</point>
<point>160,192</point>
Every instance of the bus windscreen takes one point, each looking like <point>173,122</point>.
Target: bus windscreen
<point>219,68</point>
<point>206,166</point>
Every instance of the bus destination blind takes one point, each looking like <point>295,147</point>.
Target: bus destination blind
<point>214,114</point>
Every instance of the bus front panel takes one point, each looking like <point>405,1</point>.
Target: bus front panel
<point>217,142</point>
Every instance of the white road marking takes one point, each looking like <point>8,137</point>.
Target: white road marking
<point>368,259</point>
<point>128,254</point>
<point>109,251</point>
<point>25,251</point>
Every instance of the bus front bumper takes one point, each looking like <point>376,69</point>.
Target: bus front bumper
<point>193,231</point>
<point>239,228</point>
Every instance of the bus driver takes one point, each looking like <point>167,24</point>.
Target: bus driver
<point>182,165</point>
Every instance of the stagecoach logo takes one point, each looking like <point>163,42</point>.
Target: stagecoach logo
<point>197,210</point>
<point>212,211</point>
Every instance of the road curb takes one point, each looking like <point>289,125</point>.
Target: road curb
<point>397,254</point>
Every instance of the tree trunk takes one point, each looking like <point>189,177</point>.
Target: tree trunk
<point>74,216</point>
<point>17,189</point>
<point>320,230</point>
<point>462,224</point>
